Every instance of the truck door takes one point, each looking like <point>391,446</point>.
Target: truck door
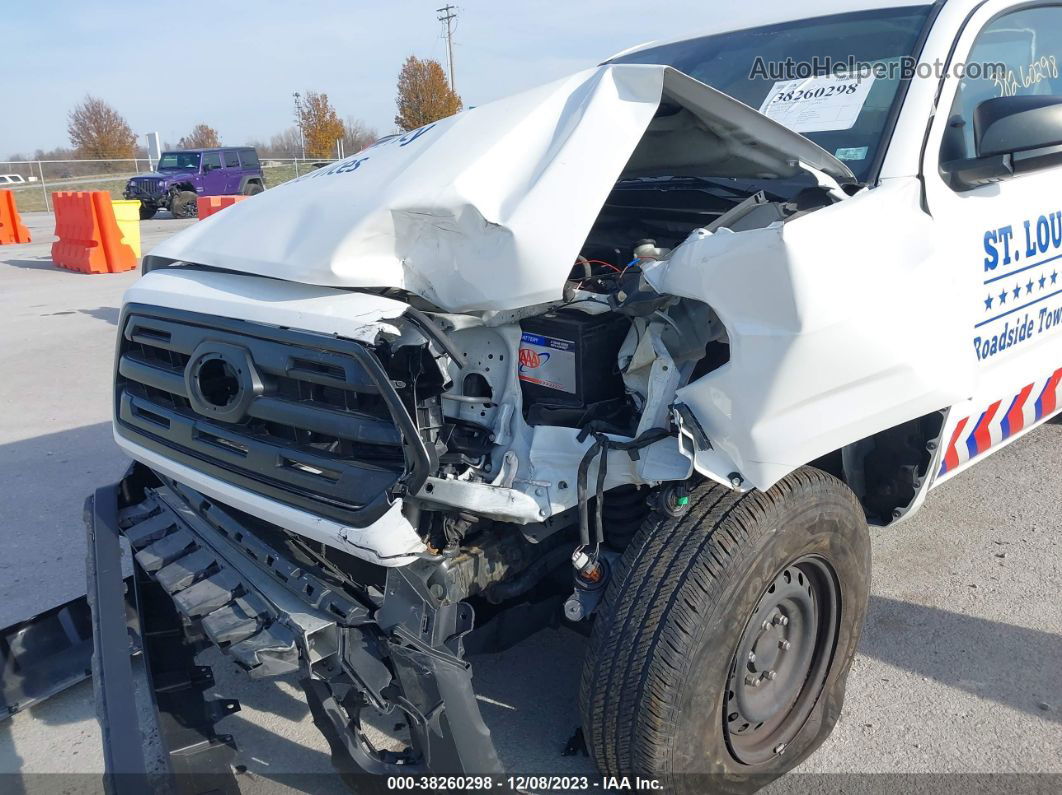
<point>232,171</point>
<point>1005,234</point>
<point>213,175</point>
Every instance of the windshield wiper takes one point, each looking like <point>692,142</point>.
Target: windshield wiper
<point>717,185</point>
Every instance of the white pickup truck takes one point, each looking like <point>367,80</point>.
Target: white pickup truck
<point>642,350</point>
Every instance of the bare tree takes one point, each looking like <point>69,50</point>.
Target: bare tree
<point>424,95</point>
<point>98,131</point>
<point>320,124</point>
<point>263,149</point>
<point>285,144</point>
<point>202,136</point>
<point>357,135</point>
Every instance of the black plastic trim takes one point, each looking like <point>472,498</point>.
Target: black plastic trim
<point>44,655</point>
<point>124,766</point>
<point>199,757</point>
<point>429,328</point>
<point>353,492</point>
<point>936,102</point>
<point>406,654</point>
<point>874,173</point>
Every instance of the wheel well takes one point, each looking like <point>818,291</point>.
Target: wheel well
<point>183,186</point>
<point>888,469</point>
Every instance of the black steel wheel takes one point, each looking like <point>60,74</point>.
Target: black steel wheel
<point>777,673</point>
<point>719,655</point>
<point>147,211</point>
<point>253,189</point>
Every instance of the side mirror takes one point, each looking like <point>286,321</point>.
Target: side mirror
<point>1012,135</point>
<point>1007,125</point>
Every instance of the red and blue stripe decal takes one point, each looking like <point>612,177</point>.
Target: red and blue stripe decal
<point>951,457</point>
<point>1045,404</point>
<point>993,426</point>
<point>1014,420</point>
<point>981,438</point>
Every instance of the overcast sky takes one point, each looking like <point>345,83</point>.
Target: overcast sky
<point>234,64</point>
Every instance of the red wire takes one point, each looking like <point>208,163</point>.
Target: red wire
<point>606,264</point>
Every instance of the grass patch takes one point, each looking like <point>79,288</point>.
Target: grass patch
<point>30,198</point>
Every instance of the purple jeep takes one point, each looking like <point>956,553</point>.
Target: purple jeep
<point>181,177</point>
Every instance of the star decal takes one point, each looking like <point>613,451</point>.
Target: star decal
<point>1028,287</point>
<point>1017,290</point>
<point>1003,297</point>
<point>1054,277</point>
<point>1043,281</point>
<point>988,303</point>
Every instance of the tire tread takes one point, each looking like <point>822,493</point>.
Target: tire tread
<point>667,583</point>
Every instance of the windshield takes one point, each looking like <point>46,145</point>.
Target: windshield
<point>179,161</point>
<point>801,74</point>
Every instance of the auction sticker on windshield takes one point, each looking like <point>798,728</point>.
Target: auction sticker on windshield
<point>818,104</point>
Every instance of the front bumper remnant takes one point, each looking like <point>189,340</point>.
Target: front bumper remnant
<point>194,752</point>
<point>112,667</point>
<point>216,576</point>
<point>44,655</point>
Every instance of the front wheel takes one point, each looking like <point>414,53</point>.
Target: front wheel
<point>183,205</point>
<point>147,211</point>
<point>719,656</point>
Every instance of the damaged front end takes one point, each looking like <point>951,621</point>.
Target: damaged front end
<point>205,574</point>
<point>384,422</point>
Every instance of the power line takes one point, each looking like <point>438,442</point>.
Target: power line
<point>448,15</point>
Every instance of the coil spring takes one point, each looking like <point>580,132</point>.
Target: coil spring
<point>623,513</point>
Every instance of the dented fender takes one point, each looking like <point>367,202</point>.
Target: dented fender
<point>828,316</point>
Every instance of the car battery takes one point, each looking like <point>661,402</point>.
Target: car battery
<point>568,364</point>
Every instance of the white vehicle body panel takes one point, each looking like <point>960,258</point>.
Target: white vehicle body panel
<point>1010,306</point>
<point>511,187</point>
<point>356,316</point>
<point>818,312</point>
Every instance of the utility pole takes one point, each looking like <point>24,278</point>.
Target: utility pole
<point>298,120</point>
<point>448,13</point>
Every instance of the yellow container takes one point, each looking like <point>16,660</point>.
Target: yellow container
<point>127,214</point>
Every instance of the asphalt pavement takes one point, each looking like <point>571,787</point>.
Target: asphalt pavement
<point>959,670</point>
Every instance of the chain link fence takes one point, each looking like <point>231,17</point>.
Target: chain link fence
<point>35,180</point>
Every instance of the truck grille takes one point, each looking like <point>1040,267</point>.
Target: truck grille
<point>303,418</point>
<point>147,186</point>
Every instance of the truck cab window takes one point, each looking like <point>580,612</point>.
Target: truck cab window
<point>1017,54</point>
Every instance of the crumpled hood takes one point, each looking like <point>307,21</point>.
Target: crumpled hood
<point>488,209</point>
